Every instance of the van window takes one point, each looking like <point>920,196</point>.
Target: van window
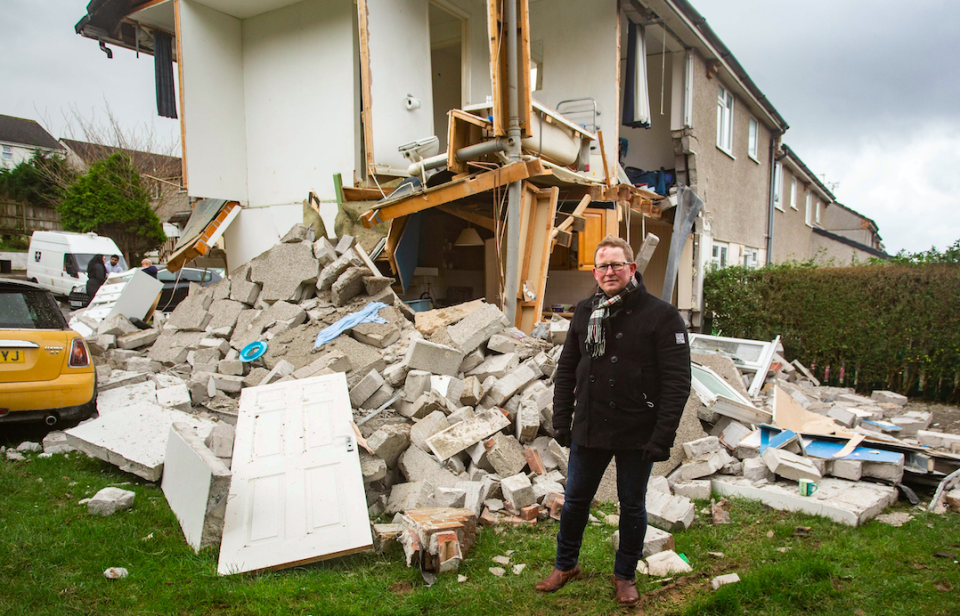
<point>70,265</point>
<point>81,260</point>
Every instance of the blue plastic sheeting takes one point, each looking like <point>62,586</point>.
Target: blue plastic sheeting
<point>367,315</point>
<point>826,449</point>
<point>774,437</point>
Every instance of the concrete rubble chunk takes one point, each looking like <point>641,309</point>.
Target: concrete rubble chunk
<point>842,501</point>
<point>427,427</point>
<point>389,441</point>
<point>245,292</point>
<point>363,358</point>
<point>418,383</point>
<point>195,483</point>
<point>501,343</point>
<point>281,369</point>
<point>172,346</point>
<point>110,500</point>
<point>705,465</point>
<point>470,395</point>
<point>434,358</point>
<point>700,447</point>
<point>889,397</point>
<point>345,243</point>
<point>225,314</point>
<point>174,397</point>
<point>528,422</point>
<point>56,442</point>
<point>331,272</point>
<point>233,367</point>
<point>117,325</point>
<point>952,499</point>
<point>654,542</point>
<point>285,271</point>
<point>380,397</point>
<point>137,339</point>
<point>141,364</point>
<point>120,398</point>
<point>418,465</point>
<point>698,489</point>
<point>755,470</point>
<point>511,383</point>
<point>324,252</point>
<point>885,471</point>
<point>427,323</point>
<point>477,327</point>
<point>851,470</point>
<point>518,491</point>
<point>376,284</point>
<point>333,361</point>
<point>448,498</point>
<point>380,335</point>
<point>298,233</point>
<point>407,496</point>
<point>505,454</point>
<point>789,465</point>
<point>29,446</point>
<point>939,440</point>
<point>665,564</point>
<point>496,366</point>
<point>220,440</point>
<point>366,387</point>
<point>426,404</point>
<point>723,580</point>
<point>372,467</point>
<point>669,512</point>
<point>459,437</point>
<point>561,454</point>
<point>348,285</point>
<point>191,314</point>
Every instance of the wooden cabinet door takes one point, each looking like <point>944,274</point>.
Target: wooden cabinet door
<point>594,231</point>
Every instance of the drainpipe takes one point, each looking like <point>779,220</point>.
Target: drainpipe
<point>774,141</point>
<point>511,283</point>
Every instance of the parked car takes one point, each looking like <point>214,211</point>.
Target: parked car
<point>176,285</point>
<point>46,372</point>
<point>57,260</point>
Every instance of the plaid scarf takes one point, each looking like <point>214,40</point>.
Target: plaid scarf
<point>596,345</point>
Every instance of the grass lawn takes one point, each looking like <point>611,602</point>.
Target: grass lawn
<point>53,554</point>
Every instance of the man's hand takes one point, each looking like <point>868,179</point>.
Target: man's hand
<point>653,452</point>
<point>562,436</point>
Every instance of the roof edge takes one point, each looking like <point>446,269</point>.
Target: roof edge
<point>853,243</point>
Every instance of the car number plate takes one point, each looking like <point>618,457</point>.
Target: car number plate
<point>12,356</point>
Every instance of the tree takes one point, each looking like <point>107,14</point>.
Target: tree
<point>109,200</point>
<point>38,181</point>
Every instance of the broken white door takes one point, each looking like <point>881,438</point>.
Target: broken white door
<point>396,79</point>
<point>297,493</point>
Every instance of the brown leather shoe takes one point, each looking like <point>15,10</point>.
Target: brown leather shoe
<point>627,594</point>
<point>558,579</point>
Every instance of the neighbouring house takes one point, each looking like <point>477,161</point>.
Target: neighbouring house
<point>281,98</point>
<point>20,139</point>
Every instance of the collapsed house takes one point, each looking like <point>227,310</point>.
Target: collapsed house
<point>299,410</point>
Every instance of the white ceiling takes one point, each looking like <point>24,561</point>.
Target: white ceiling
<point>242,9</point>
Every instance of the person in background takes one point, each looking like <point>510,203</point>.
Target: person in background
<point>114,266</point>
<point>96,275</point>
<point>149,267</point>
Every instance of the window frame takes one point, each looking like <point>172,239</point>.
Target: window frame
<point>7,153</point>
<point>753,142</point>
<point>725,109</point>
<point>754,254</point>
<point>778,186</point>
<point>793,194</point>
<point>807,218</point>
<point>720,261</point>
<point>816,212</point>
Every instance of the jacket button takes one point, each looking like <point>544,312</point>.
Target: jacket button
<point>619,335</point>
<point>612,382</point>
<point>613,405</point>
<point>613,359</point>
<point>593,379</point>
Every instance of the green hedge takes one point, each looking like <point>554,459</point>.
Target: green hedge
<point>891,327</point>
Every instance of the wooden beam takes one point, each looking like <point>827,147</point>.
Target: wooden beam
<point>353,193</point>
<point>481,221</point>
<point>366,114</point>
<point>497,26</point>
<point>451,191</point>
<point>577,213</point>
<point>603,156</point>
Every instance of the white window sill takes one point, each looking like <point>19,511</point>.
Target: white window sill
<point>753,158</point>
<point>808,224</point>
<point>779,207</point>
<point>730,154</point>
<point>794,208</point>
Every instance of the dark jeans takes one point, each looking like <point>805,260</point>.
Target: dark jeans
<point>584,473</point>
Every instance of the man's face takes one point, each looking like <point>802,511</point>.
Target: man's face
<point>610,281</point>
<point>114,260</point>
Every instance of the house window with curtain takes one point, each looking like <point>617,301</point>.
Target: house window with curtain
<point>753,140</point>
<point>793,193</point>
<point>778,186</point>
<point>720,252</point>
<point>725,120</point>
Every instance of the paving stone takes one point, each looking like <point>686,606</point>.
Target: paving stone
<point>434,358</point>
<point>477,327</point>
<point>505,454</point>
<point>110,500</point>
<point>284,272</point>
<point>389,441</point>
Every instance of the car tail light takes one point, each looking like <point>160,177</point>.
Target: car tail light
<point>4,412</point>
<point>79,358</point>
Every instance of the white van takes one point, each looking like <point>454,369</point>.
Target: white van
<point>57,260</point>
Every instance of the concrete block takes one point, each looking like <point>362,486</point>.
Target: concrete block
<point>694,490</point>
<point>281,369</point>
<point>106,342</point>
<point>461,436</point>
<point>789,465</point>
<point>702,446</point>
<point>140,364</point>
<point>464,413</point>
<point>665,564</point>
<point>172,346</point>
<point>543,488</point>
<point>331,272</point>
<point>334,361</point>
<point>227,382</point>
<point>137,339</point>
<point>505,454</point>
<point>233,367</point>
<point>56,442</point>
<point>518,491</point>
<point>470,395</point>
<point>889,397</point>
<point>562,455</point>
<point>939,440</point>
<point>395,374</point>
<point>134,440</point>
<point>477,327</point>
<point>345,243</point>
<point>191,314</point>
<point>528,422</point>
<point>110,500</point>
<point>380,335</point>
<point>120,398</point>
<point>842,501</point>
<point>844,415</point>
<point>117,325</point>
<point>176,397</point>
<point>654,542</point>
<point>472,491</point>
<point>418,465</point>
<point>427,427</point>
<point>471,360</point>
<point>324,252</point>
<point>380,397</point>
<point>659,483</point>
<point>756,470</point>
<point>366,387</point>
<point>195,483</point>
<point>705,465</point>
<point>892,472</point>
<point>911,423</point>
<point>669,512</point>
<point>496,366</point>
<point>372,468</point>
<point>435,358</point>
<point>501,343</point>
<point>348,285</point>
<point>427,323</point>
<point>426,404</point>
<point>417,384</point>
<point>284,271</point>
<point>245,292</point>
<point>851,470</point>
<point>389,442</point>
<point>511,383</point>
<point>407,496</point>
<point>220,440</point>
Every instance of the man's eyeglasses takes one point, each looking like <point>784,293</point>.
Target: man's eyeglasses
<point>616,267</point>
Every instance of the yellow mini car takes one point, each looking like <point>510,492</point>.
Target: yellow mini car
<point>46,372</point>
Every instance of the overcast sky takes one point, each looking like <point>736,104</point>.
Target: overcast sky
<point>870,88</point>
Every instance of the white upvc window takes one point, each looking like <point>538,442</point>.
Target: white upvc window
<point>725,120</point>
<point>816,212</point>
<point>793,193</point>
<point>720,252</point>
<point>753,140</point>
<point>751,257</point>
<point>7,152</point>
<point>778,186</point>
<point>808,212</point>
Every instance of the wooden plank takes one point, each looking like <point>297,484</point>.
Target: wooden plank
<point>481,221</point>
<point>497,23</point>
<point>452,191</point>
<point>574,223</point>
<point>577,213</point>
<point>563,238</point>
<point>527,229</point>
<point>537,255</point>
<point>366,117</point>
<point>183,104</point>
<point>603,156</point>
<point>366,259</point>
<point>354,193</point>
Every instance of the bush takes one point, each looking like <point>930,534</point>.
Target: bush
<point>893,326</point>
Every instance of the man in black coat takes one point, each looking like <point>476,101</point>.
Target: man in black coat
<point>96,275</point>
<point>622,382</point>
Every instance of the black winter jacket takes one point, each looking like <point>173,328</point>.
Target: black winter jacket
<point>635,392</point>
